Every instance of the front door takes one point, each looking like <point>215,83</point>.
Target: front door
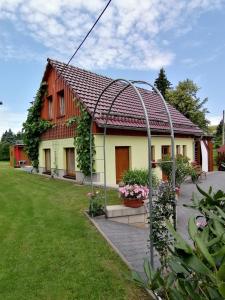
<point>47,160</point>
<point>165,151</point>
<point>122,162</point>
<point>70,162</point>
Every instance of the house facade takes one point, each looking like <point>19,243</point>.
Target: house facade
<point>126,140</point>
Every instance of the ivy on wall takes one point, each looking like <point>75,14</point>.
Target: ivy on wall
<point>34,126</point>
<point>82,140</point>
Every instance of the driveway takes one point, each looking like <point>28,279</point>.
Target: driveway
<point>214,179</point>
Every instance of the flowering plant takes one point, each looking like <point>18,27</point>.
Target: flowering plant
<point>96,203</point>
<point>134,191</point>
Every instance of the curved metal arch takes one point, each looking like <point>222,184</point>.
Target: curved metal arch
<point>131,84</point>
<point>172,145</point>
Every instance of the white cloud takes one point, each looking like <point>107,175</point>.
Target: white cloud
<point>9,119</point>
<point>126,36</point>
<point>214,120</point>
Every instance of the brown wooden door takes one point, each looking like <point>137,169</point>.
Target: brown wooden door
<point>165,151</point>
<point>122,162</point>
<point>70,161</point>
<point>47,160</point>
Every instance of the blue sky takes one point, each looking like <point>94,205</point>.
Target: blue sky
<point>131,41</point>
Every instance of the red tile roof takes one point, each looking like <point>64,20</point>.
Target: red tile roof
<point>127,111</point>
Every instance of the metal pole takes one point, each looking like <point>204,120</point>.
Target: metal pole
<point>172,148</point>
<point>223,128</point>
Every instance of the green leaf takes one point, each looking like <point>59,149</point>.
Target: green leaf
<point>192,228</point>
<point>221,287</point>
<point>203,248</point>
<point>180,242</point>
<point>220,274</point>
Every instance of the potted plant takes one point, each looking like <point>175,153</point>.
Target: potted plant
<point>133,195</point>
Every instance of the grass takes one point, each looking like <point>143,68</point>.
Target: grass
<point>49,250</point>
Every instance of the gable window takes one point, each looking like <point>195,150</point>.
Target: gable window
<point>50,108</point>
<point>61,104</point>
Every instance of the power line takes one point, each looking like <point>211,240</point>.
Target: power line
<point>95,23</point>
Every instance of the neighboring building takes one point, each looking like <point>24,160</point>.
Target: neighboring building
<point>126,141</point>
<point>18,156</point>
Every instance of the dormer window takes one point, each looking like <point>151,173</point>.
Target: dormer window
<point>61,102</point>
<point>50,108</point>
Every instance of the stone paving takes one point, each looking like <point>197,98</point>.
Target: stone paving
<point>131,241</point>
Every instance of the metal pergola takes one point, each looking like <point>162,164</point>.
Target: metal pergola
<point>125,84</point>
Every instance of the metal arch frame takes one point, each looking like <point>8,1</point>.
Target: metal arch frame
<point>148,128</point>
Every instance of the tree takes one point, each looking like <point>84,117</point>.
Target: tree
<point>218,135</point>
<point>162,83</point>
<point>8,137</point>
<point>184,98</point>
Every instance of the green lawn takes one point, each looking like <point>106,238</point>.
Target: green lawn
<point>49,250</point>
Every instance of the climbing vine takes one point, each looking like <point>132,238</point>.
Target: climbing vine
<point>34,126</point>
<point>82,140</point>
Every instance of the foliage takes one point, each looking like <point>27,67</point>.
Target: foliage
<point>163,203</point>
<point>193,272</point>
<point>162,83</point>
<point>209,202</point>
<point>35,126</point>
<point>8,138</point>
<point>218,135</point>
<point>134,192</point>
<point>184,98</point>
<point>221,162</point>
<point>194,175</point>
<point>82,140</point>
<point>139,176</point>
<point>4,151</point>
<point>96,204</point>
<point>183,168</point>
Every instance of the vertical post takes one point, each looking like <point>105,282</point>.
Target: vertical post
<point>223,128</point>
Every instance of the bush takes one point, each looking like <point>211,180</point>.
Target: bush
<point>139,177</point>
<point>194,270</point>
<point>183,168</point>
<point>221,162</point>
<point>4,151</point>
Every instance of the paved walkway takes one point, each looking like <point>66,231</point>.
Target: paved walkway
<point>132,242</point>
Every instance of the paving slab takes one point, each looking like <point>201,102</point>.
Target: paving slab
<point>132,242</point>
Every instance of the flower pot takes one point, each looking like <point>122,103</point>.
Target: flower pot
<point>132,202</point>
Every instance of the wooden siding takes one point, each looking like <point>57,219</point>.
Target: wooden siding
<point>55,86</point>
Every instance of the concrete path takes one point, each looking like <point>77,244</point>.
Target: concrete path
<point>132,242</point>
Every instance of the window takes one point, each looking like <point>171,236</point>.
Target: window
<point>153,153</point>
<point>165,151</point>
<point>50,110</point>
<point>178,152</point>
<point>184,150</point>
<point>61,103</point>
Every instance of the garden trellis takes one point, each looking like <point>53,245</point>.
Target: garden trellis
<point>125,84</point>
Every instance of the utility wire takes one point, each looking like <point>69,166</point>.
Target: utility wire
<point>95,23</point>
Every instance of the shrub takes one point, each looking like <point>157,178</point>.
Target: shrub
<point>139,177</point>
<point>221,162</point>
<point>194,270</point>
<point>183,168</point>
<point>96,204</point>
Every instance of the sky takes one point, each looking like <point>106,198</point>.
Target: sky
<point>133,40</point>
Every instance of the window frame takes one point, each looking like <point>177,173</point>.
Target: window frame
<point>61,104</point>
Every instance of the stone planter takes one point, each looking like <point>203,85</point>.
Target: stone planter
<point>134,203</point>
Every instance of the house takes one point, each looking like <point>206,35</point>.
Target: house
<point>126,141</point>
<point>18,156</point>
